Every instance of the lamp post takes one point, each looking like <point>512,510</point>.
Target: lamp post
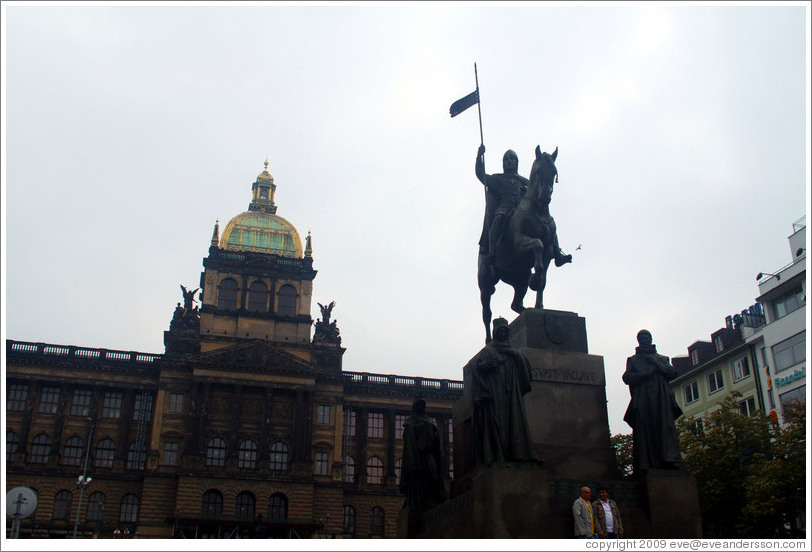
<point>83,480</point>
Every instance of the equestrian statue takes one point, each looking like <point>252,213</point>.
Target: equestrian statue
<point>518,236</point>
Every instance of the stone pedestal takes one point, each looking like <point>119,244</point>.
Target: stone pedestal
<point>566,408</point>
<point>505,501</point>
<point>673,504</point>
<point>569,426</point>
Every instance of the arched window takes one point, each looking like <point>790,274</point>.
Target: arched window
<point>105,452</point>
<point>348,520</point>
<point>129,509</point>
<point>212,506</point>
<point>279,456</point>
<point>244,505</point>
<point>349,469</point>
<point>62,503</point>
<point>72,451</point>
<point>40,447</point>
<point>135,456</point>
<point>374,471</point>
<point>12,442</point>
<point>227,295</point>
<point>278,506</point>
<point>248,455</point>
<point>398,464</point>
<point>95,506</point>
<point>216,453</point>
<point>376,522</point>
<point>286,306</point>
<point>258,297</point>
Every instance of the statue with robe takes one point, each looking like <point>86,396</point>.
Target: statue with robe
<point>653,409</point>
<point>421,478</point>
<point>500,379</point>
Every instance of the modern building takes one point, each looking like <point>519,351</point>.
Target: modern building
<point>781,345</point>
<point>246,426</point>
<point>714,369</point>
<point>760,352</point>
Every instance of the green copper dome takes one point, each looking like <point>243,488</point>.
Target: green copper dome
<point>260,229</point>
<point>262,233</point>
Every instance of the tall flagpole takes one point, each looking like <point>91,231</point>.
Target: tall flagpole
<point>478,108</point>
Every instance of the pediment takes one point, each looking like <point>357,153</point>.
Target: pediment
<point>255,355</point>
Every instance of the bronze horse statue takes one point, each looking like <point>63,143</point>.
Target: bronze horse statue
<point>528,243</point>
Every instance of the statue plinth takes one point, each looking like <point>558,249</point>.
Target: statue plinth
<point>569,428</point>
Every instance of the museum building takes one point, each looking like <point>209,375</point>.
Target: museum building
<point>247,426</point>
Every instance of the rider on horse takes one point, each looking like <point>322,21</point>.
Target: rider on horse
<point>502,195</point>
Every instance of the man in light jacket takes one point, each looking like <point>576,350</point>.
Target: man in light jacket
<point>608,523</point>
<point>585,527</point>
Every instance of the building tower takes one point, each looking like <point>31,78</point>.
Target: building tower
<point>257,281</point>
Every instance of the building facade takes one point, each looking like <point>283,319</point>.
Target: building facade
<point>781,345</point>
<point>760,352</point>
<point>714,369</point>
<point>246,426</point>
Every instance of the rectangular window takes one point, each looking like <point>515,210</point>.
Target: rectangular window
<point>450,431</point>
<point>748,406</point>
<point>715,381</point>
<point>741,369</point>
<point>111,407</point>
<point>17,394</point>
<point>399,419</point>
<point>691,392</point>
<point>323,414</point>
<point>176,403</point>
<point>170,453</point>
<point>790,352</point>
<point>375,425</point>
<point>697,426</point>
<point>719,343</point>
<point>789,302</point>
<point>695,357</point>
<point>797,394</point>
<point>321,463</point>
<point>49,400</point>
<point>80,405</point>
<point>143,403</point>
<point>349,422</point>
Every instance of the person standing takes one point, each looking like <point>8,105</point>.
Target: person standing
<point>608,523</point>
<point>583,516</point>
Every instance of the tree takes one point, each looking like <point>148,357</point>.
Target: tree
<point>622,445</point>
<point>749,470</point>
<point>775,489</point>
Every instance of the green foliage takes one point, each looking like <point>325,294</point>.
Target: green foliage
<point>622,445</point>
<point>749,470</point>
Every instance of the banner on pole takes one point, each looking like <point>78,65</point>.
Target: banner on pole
<point>464,103</point>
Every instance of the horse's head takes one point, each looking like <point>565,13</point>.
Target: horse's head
<point>542,175</point>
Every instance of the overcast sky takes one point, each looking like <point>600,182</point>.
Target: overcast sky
<point>683,161</point>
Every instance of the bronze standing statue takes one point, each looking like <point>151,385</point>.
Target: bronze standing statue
<point>422,468</point>
<point>528,241</point>
<point>652,409</point>
<point>500,379</point>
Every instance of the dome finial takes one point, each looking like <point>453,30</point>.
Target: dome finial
<point>266,163</point>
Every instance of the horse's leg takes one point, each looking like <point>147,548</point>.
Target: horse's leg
<point>519,291</point>
<point>543,280</point>
<point>487,287</point>
<point>485,297</point>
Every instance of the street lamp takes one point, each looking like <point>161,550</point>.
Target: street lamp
<point>83,480</point>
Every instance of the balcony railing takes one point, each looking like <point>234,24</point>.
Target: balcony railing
<point>49,350</point>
